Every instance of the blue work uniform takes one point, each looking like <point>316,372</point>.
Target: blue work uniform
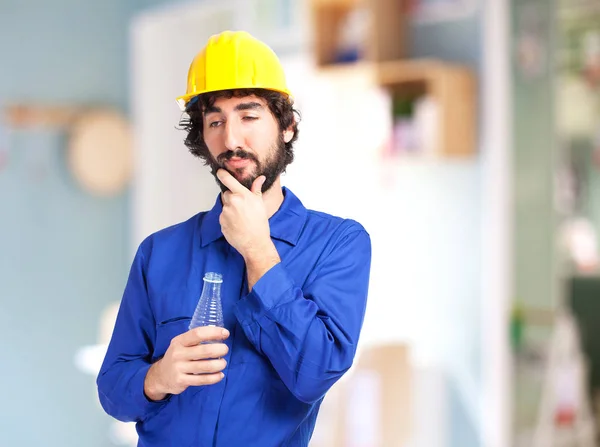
<point>292,337</point>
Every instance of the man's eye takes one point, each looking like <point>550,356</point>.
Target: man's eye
<point>250,118</point>
<point>215,123</point>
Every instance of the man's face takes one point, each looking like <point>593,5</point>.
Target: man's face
<point>243,137</point>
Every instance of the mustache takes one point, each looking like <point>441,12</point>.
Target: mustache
<point>240,153</point>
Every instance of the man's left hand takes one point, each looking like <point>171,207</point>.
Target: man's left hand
<point>244,221</point>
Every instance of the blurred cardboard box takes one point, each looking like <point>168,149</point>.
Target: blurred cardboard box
<point>371,407</point>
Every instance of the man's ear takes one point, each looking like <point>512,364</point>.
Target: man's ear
<point>288,134</point>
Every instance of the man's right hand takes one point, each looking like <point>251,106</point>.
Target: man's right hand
<point>187,363</point>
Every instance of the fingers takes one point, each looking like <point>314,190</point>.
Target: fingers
<point>230,196</point>
<point>183,381</point>
<point>257,185</point>
<point>203,379</point>
<point>204,366</point>
<point>206,351</point>
<point>230,182</point>
<point>198,335</point>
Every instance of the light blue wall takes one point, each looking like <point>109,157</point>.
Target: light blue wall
<point>63,253</point>
<point>66,50</point>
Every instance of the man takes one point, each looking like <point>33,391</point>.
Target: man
<point>294,281</point>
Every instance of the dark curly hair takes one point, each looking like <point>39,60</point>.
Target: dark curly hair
<point>280,105</point>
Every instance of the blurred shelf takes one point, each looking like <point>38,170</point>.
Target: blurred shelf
<point>386,22</point>
<point>361,69</point>
<point>453,88</point>
<point>20,116</point>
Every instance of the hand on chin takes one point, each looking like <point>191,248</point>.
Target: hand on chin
<point>242,176</point>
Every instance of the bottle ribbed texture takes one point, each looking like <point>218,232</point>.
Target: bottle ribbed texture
<point>209,311</point>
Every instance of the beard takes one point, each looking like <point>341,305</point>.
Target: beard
<point>272,167</point>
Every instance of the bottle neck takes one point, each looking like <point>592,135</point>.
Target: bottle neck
<point>211,287</point>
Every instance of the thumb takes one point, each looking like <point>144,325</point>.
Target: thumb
<point>257,185</point>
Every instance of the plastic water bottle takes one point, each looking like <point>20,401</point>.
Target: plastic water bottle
<point>209,311</point>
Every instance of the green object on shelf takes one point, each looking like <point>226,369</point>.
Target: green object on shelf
<point>403,107</point>
<point>517,324</point>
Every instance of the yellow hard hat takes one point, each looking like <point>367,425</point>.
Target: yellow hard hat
<point>233,60</point>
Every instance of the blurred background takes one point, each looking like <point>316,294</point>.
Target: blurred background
<point>463,134</point>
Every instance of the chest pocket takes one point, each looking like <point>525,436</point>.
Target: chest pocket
<point>243,349</point>
<point>166,331</point>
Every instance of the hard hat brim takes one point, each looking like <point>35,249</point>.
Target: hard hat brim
<point>183,101</point>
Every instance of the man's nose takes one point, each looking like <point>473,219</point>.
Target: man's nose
<point>233,136</point>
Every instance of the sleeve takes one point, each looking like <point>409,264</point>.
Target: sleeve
<point>310,335</point>
<point>121,378</point>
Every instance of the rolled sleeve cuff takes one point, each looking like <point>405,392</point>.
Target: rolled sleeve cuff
<point>146,406</point>
<point>268,291</point>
